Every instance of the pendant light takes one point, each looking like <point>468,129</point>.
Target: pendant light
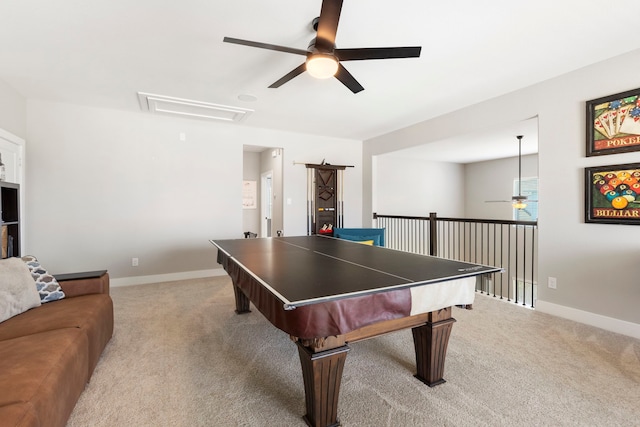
<point>519,201</point>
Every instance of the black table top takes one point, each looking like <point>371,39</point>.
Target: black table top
<point>305,270</point>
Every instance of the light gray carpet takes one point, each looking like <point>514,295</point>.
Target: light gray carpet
<point>180,356</point>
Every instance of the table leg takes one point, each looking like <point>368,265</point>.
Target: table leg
<point>242,302</point>
<point>430,341</point>
<point>322,373</point>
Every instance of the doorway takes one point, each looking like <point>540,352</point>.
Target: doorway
<point>266,203</point>
<point>264,167</point>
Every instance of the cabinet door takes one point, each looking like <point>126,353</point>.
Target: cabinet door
<point>326,183</point>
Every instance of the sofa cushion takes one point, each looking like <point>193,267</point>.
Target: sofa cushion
<point>91,313</point>
<point>361,234</point>
<point>17,291</point>
<point>19,414</point>
<point>46,285</point>
<point>48,370</point>
<point>375,240</point>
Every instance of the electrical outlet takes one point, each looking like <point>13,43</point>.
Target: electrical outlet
<point>134,262</point>
<point>552,283</point>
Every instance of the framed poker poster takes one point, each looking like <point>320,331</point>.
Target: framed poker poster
<point>613,124</point>
<point>612,194</point>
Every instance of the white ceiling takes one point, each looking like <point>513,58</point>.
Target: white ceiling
<point>102,52</point>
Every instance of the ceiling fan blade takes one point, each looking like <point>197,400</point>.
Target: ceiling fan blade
<point>328,25</point>
<point>377,53</point>
<point>265,46</point>
<point>348,80</point>
<point>290,75</point>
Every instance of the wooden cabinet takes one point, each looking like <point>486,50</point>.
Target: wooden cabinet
<point>324,198</point>
<point>10,213</point>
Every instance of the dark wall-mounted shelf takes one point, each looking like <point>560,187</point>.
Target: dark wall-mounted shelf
<point>324,194</point>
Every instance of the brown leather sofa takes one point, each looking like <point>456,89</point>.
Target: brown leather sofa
<point>48,353</point>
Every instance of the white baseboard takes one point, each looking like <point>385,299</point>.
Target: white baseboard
<point>607,323</point>
<point>170,277</point>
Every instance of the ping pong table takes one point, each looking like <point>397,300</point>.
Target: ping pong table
<point>326,293</point>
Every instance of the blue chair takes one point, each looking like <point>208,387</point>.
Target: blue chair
<point>361,235</point>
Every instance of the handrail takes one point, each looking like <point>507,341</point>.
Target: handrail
<point>478,220</point>
<point>505,243</point>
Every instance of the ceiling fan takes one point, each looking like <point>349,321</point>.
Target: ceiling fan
<point>519,201</point>
<point>323,58</point>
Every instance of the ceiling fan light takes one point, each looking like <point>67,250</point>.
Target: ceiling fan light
<point>519,204</point>
<point>322,66</point>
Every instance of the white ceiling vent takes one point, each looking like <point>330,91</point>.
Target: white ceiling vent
<point>190,109</point>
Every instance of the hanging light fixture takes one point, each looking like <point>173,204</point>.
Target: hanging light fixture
<point>322,65</point>
<point>519,201</point>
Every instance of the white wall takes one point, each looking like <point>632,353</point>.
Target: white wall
<point>449,189</point>
<point>493,180</point>
<point>107,185</point>
<point>596,265</point>
<point>13,111</point>
<point>406,186</point>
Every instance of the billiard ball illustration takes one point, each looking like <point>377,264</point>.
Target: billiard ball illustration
<point>623,175</point>
<point>619,202</point>
<point>610,195</point>
<point>606,188</point>
<point>630,195</point>
<point>599,183</point>
<point>615,182</point>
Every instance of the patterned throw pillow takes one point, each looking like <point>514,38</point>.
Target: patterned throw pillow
<point>47,285</point>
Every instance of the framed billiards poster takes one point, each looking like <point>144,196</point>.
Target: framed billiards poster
<point>613,124</point>
<point>612,194</point>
